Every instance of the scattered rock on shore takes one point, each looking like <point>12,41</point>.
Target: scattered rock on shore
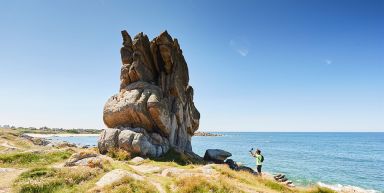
<point>45,142</point>
<point>36,140</point>
<point>116,175</point>
<point>234,166</point>
<point>81,158</point>
<point>216,155</point>
<point>283,179</point>
<point>136,160</point>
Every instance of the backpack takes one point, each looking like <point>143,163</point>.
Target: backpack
<point>262,158</point>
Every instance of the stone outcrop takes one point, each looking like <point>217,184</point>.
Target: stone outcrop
<point>234,166</point>
<point>116,175</point>
<point>216,155</point>
<point>154,109</point>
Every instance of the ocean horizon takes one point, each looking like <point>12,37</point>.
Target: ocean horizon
<point>336,159</point>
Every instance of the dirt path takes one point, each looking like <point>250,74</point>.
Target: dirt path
<point>158,186</point>
<point>7,176</point>
<point>8,145</point>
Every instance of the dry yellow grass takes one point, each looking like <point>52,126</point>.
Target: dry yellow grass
<point>119,154</point>
<point>130,185</point>
<point>53,179</point>
<point>201,184</point>
<point>47,178</point>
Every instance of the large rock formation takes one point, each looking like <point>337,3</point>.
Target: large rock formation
<point>154,109</point>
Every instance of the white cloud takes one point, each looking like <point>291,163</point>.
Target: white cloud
<point>243,52</point>
<point>240,46</point>
<point>327,61</point>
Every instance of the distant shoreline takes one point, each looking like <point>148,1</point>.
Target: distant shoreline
<point>38,135</point>
<point>48,135</point>
<point>336,186</point>
<point>207,134</point>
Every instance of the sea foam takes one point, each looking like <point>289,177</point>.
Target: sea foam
<point>346,188</point>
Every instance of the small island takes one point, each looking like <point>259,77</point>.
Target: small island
<point>207,134</point>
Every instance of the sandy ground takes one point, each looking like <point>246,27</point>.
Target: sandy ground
<point>7,145</point>
<point>60,135</point>
<point>7,176</point>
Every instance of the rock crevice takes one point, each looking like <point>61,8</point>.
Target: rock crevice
<point>154,109</point>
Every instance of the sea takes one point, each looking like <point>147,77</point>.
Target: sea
<point>337,160</point>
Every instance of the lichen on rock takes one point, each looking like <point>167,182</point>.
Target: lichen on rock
<point>154,109</point>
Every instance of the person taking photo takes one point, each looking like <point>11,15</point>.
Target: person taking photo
<point>259,159</point>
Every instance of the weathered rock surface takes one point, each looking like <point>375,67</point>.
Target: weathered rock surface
<point>172,172</point>
<point>236,166</point>
<point>146,168</point>
<point>216,155</point>
<point>154,108</point>
<point>108,139</point>
<point>116,175</point>
<point>81,158</point>
<point>136,160</point>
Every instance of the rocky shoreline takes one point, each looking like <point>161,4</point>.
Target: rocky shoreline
<point>212,156</point>
<point>40,139</point>
<point>114,168</point>
<point>48,135</point>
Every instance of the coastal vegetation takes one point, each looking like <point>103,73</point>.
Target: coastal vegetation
<point>47,130</point>
<point>48,179</point>
<point>28,168</point>
<point>32,158</point>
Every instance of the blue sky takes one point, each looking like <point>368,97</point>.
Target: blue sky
<point>255,65</point>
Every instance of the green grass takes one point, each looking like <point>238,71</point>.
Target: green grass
<point>44,180</point>
<point>28,159</point>
<point>22,130</point>
<point>275,185</point>
<point>37,180</point>
<point>318,189</point>
<point>36,172</point>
